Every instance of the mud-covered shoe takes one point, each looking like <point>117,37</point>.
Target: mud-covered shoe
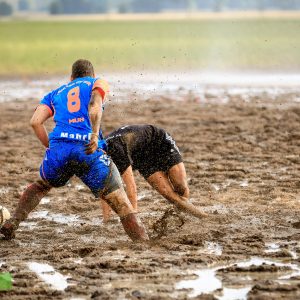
<point>8,229</point>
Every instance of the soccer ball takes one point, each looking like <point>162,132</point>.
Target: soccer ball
<point>4,215</point>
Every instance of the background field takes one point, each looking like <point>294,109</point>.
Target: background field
<point>47,48</point>
<point>238,135</point>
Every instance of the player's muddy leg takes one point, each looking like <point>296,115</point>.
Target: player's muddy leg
<point>160,181</point>
<point>177,176</point>
<point>30,198</point>
<point>106,211</point>
<point>116,197</point>
<point>132,224</point>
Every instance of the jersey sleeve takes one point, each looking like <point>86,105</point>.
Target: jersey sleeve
<point>47,101</point>
<point>119,155</point>
<point>102,86</point>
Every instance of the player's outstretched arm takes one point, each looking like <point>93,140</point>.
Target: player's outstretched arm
<point>95,113</point>
<point>131,190</point>
<point>37,121</point>
<point>160,181</point>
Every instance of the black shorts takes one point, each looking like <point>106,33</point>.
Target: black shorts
<point>165,156</point>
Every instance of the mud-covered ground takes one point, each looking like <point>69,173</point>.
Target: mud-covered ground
<point>243,166</point>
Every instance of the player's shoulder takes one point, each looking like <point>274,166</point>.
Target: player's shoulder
<point>102,84</point>
<point>135,128</point>
<point>146,129</point>
<point>82,82</point>
<point>139,130</point>
<point>50,95</point>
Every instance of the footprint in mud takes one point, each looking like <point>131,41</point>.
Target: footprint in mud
<point>85,251</point>
<point>171,221</point>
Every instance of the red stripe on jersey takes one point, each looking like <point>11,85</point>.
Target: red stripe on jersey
<point>101,92</point>
<point>49,109</point>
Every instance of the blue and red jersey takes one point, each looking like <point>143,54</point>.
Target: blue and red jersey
<point>69,106</point>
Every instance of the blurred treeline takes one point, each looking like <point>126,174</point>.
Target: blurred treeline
<point>8,7</point>
<point>140,6</point>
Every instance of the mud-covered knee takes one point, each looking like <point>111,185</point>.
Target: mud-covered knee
<point>182,190</point>
<point>43,185</point>
<point>113,181</point>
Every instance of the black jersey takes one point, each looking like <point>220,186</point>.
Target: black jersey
<point>146,148</point>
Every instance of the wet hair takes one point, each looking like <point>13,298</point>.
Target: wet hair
<point>82,68</point>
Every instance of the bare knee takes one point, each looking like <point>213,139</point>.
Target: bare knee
<point>182,190</point>
<point>43,185</point>
<point>177,176</point>
<point>119,202</point>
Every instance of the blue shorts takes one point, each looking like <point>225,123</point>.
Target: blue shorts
<point>67,158</point>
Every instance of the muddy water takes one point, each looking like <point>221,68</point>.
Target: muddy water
<point>47,273</point>
<point>247,272</point>
<point>200,86</point>
<point>242,161</point>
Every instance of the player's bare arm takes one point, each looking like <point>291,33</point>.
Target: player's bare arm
<point>37,121</point>
<point>160,181</point>
<point>95,114</point>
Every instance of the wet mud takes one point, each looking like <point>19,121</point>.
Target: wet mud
<point>243,166</point>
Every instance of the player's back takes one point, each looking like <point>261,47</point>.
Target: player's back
<point>69,104</point>
<point>137,137</point>
<point>133,144</point>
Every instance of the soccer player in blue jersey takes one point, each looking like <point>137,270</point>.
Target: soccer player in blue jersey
<point>74,147</point>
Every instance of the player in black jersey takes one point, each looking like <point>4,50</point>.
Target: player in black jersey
<point>153,152</point>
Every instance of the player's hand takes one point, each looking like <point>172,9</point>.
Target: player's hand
<point>92,146</point>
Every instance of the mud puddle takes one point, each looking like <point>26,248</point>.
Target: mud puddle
<point>70,220</point>
<point>4,190</point>
<point>45,200</point>
<point>288,248</point>
<point>28,224</point>
<point>48,274</point>
<point>211,248</point>
<point>144,195</point>
<point>55,217</point>
<point>224,185</point>
<point>203,87</point>
<point>208,280</point>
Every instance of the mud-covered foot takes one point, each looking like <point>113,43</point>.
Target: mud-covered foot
<point>8,229</point>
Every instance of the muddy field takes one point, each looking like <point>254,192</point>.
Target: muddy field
<point>243,166</point>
